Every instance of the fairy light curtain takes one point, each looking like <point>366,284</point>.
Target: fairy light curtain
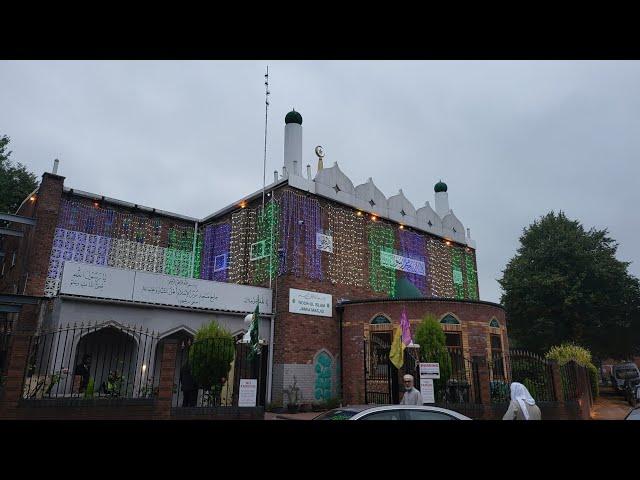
<point>456,272</point>
<point>178,253</point>
<point>440,269</point>
<point>267,235</point>
<point>471,275</point>
<point>381,279</point>
<point>300,221</point>
<point>215,253</point>
<point>243,235</point>
<point>412,246</point>
<point>346,263</point>
<point>84,218</point>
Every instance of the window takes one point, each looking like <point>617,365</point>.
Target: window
<point>258,250</point>
<point>386,415</point>
<point>380,319</point>
<point>496,343</point>
<point>428,415</point>
<point>450,320</point>
<point>338,414</point>
<point>494,323</point>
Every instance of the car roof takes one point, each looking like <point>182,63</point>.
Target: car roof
<point>633,414</point>
<point>361,408</point>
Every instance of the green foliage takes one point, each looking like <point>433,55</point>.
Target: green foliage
<point>565,284</point>
<point>432,341</point>
<point>211,355</point>
<point>16,182</point>
<point>571,352</point>
<point>331,403</point>
<point>531,386</point>
<point>88,393</point>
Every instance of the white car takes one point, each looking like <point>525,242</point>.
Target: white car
<point>391,412</point>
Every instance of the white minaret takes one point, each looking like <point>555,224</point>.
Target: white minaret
<point>293,143</point>
<point>442,199</point>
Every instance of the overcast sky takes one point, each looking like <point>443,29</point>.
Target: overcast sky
<point>512,140</point>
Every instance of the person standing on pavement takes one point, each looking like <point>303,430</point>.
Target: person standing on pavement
<point>412,396</point>
<point>522,405</point>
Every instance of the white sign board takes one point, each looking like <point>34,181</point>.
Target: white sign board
<point>429,370</point>
<point>310,303</point>
<point>97,281</point>
<point>248,392</point>
<point>405,264</point>
<point>457,277</point>
<point>106,282</point>
<point>324,242</point>
<point>426,390</point>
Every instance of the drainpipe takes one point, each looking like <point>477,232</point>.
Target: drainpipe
<point>339,309</point>
<point>193,249</point>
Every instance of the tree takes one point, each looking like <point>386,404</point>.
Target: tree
<point>210,357</point>
<point>565,285</point>
<point>16,182</point>
<point>433,348</point>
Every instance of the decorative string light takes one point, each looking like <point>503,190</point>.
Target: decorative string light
<point>381,279</point>
<point>215,256</point>
<point>300,221</point>
<point>346,263</point>
<point>440,271</point>
<point>243,234</point>
<point>472,276</point>
<point>267,232</point>
<point>412,246</point>
<point>456,272</point>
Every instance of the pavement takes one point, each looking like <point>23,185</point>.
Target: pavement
<point>609,405</point>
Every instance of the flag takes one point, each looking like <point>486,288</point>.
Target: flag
<point>406,329</point>
<point>396,355</point>
<point>254,333</point>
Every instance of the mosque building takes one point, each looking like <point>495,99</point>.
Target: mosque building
<point>332,266</point>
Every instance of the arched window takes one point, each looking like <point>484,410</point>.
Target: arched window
<point>450,320</point>
<point>494,323</point>
<point>380,319</point>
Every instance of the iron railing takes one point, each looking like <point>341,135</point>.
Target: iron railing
<point>209,371</point>
<point>6,329</point>
<point>533,371</point>
<point>100,360</point>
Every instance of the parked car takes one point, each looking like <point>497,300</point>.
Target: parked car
<point>622,372</point>
<point>632,391</point>
<point>633,414</point>
<point>391,412</point>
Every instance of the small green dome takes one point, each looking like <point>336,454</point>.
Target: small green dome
<point>293,117</point>
<point>406,290</point>
<point>440,187</point>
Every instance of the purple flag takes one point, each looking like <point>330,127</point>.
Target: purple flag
<point>404,325</point>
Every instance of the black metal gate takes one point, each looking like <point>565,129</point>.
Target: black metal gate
<point>380,375</point>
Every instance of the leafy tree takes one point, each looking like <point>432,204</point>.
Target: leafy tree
<point>565,285</point>
<point>211,355</point>
<point>432,341</point>
<point>16,182</point>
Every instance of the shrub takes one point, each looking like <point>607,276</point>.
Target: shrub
<point>432,341</point>
<point>211,355</point>
<point>88,393</point>
<point>331,403</point>
<point>571,352</point>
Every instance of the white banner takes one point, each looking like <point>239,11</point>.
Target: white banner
<point>324,242</point>
<point>310,303</point>
<point>248,392</point>
<point>457,277</point>
<point>398,262</point>
<point>426,390</point>
<point>106,282</point>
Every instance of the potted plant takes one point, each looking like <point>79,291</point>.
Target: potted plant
<point>293,394</point>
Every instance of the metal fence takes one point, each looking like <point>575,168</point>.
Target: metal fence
<point>462,384</point>
<point>105,360</point>
<point>569,380</point>
<point>533,371</point>
<point>209,371</point>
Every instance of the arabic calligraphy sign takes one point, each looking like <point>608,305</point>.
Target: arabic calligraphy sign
<point>106,282</point>
<point>398,262</point>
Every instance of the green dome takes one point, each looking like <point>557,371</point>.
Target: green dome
<point>440,187</point>
<point>406,290</point>
<point>293,117</point>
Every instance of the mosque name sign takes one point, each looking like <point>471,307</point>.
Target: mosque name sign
<point>310,303</point>
<point>138,286</point>
<point>398,262</point>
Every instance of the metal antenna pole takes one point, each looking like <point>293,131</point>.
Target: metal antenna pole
<point>266,117</point>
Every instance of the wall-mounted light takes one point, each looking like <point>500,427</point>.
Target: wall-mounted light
<point>359,213</point>
<point>32,198</point>
<point>144,368</point>
<point>448,242</point>
<point>401,227</point>
<point>96,204</point>
<point>374,218</point>
<point>243,204</point>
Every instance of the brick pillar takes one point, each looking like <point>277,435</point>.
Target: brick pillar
<point>558,394</point>
<point>484,377</point>
<point>14,381</point>
<point>167,374</point>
